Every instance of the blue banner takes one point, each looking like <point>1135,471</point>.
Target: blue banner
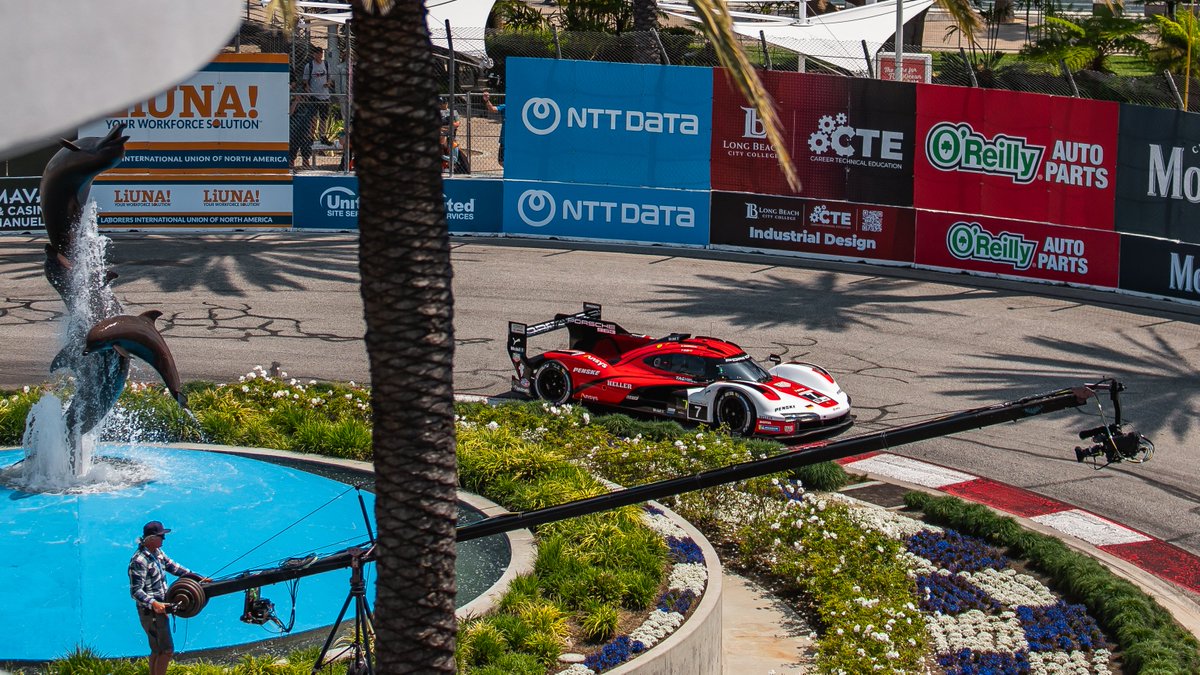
<point>331,203</point>
<point>645,215</point>
<point>609,123</point>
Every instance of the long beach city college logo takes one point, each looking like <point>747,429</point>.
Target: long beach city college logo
<point>753,126</point>
<point>540,116</point>
<point>835,133</point>
<point>536,207</point>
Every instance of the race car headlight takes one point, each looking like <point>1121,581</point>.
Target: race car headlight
<point>802,417</point>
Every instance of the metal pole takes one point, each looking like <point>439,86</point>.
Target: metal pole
<point>1174,89</point>
<point>899,40</point>
<point>450,125</point>
<point>967,64</point>
<point>1067,74</point>
<point>867,56</point>
<point>557,47</point>
<point>766,53</point>
<point>662,51</point>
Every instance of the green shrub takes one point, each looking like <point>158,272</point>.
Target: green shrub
<point>599,621</point>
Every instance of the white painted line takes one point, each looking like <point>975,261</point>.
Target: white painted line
<point>909,470</point>
<point>1089,527</point>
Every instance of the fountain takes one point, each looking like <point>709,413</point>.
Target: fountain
<point>71,509</point>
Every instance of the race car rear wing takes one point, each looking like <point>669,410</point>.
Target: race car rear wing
<point>519,333</point>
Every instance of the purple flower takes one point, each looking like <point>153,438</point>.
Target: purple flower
<point>952,595</point>
<point>684,550</point>
<point>955,552</point>
<point>969,662</point>
<point>1059,627</point>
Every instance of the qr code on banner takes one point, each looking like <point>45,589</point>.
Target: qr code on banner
<point>872,221</point>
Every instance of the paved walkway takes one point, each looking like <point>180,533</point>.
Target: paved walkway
<point>763,636</point>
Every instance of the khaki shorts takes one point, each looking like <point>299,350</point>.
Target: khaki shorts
<point>158,631</point>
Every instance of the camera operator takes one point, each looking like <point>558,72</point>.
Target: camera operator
<point>148,588</point>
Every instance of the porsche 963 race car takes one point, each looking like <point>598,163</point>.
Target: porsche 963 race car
<point>701,379</point>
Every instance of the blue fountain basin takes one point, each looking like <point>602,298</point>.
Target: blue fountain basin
<point>64,558</point>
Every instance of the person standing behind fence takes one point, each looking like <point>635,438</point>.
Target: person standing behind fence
<point>300,131</point>
<point>318,83</point>
<point>493,108</point>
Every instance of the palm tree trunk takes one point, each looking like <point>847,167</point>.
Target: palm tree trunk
<point>645,15</point>
<point>404,261</point>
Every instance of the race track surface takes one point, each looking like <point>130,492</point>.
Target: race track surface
<point>905,344</point>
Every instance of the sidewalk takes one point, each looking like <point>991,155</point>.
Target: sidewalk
<point>762,635</point>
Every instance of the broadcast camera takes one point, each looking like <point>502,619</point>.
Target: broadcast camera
<point>256,609</point>
<point>1114,444</point>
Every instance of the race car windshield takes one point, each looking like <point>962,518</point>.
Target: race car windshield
<point>744,370</point>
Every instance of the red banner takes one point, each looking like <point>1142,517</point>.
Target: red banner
<point>1029,157</point>
<point>1021,249</point>
<point>851,139</point>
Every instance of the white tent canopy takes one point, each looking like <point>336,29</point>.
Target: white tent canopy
<point>467,21</point>
<point>835,38</point>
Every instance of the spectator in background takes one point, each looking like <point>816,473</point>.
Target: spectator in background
<point>318,83</point>
<point>499,109</point>
<point>300,136</point>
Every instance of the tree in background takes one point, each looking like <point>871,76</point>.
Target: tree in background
<point>1178,47</point>
<point>1088,43</point>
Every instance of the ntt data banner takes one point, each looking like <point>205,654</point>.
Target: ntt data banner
<point>609,123</point>
<point>851,139</point>
<point>1019,249</point>
<point>198,203</point>
<point>20,204</point>
<point>607,212</point>
<point>232,114</point>
<point>1028,157</point>
<point>1160,267</point>
<point>842,229</point>
<point>1158,177</point>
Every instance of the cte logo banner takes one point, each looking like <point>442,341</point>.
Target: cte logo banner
<point>851,139</point>
<point>1015,248</point>
<point>986,152</point>
<point>608,123</point>
<point>606,212</point>
<point>792,224</point>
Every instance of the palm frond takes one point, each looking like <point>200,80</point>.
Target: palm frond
<point>965,18</point>
<point>718,28</point>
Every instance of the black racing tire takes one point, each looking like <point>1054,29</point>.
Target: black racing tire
<point>552,382</point>
<point>734,410</point>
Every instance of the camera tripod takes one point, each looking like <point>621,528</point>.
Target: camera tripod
<point>362,661</point>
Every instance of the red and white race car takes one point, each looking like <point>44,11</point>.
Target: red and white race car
<point>702,379</point>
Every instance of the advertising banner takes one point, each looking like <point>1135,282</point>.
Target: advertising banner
<point>643,215</point>
<point>331,203</point>
<point>233,114</point>
<point>608,123</point>
<point>851,139</point>
<point>21,204</point>
<point>842,229</point>
<point>1028,157</point>
<point>195,203</point>
<point>1159,267</point>
<point>1018,249</point>
<point>1158,173</point>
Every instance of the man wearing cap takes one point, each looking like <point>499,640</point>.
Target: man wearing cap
<point>148,587</point>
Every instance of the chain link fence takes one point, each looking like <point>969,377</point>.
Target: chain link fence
<point>472,68</point>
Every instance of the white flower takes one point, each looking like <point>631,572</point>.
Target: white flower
<point>245,389</point>
<point>493,425</point>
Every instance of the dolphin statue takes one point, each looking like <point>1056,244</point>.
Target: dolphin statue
<point>107,370</point>
<point>137,336</point>
<point>103,302</point>
<point>67,181</point>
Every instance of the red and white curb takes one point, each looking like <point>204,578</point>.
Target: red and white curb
<point>1154,556</point>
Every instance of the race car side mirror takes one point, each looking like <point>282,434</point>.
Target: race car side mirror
<point>775,358</point>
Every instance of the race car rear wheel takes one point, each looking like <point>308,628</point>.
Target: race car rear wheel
<point>552,382</point>
<point>733,410</point>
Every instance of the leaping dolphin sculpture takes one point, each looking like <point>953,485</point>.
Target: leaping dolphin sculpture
<point>137,336</point>
<point>67,181</point>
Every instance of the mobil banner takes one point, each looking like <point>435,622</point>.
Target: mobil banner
<point>812,226</point>
<point>851,139</point>
<point>195,202</point>
<point>1017,249</point>
<point>1158,267</point>
<point>1013,155</point>
<point>1158,173</point>
<point>607,123</point>
<point>581,211</point>
<point>231,114</point>
<point>20,204</point>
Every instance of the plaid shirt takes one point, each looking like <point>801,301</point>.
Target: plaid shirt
<point>147,576</point>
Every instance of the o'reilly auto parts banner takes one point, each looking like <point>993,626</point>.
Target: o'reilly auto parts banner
<point>845,230</point>
<point>1028,157</point>
<point>262,202</point>
<point>20,204</point>
<point>572,210</point>
<point>1160,267</point>
<point>851,139</point>
<point>608,123</point>
<point>1158,175</point>
<point>1018,249</point>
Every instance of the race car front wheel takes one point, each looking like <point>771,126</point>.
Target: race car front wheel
<point>733,410</point>
<point>553,383</point>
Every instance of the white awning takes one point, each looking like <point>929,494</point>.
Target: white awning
<point>467,21</point>
<point>835,38</point>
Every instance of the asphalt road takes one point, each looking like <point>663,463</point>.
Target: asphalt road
<point>905,344</point>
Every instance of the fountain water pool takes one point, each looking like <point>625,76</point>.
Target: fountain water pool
<point>63,557</point>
